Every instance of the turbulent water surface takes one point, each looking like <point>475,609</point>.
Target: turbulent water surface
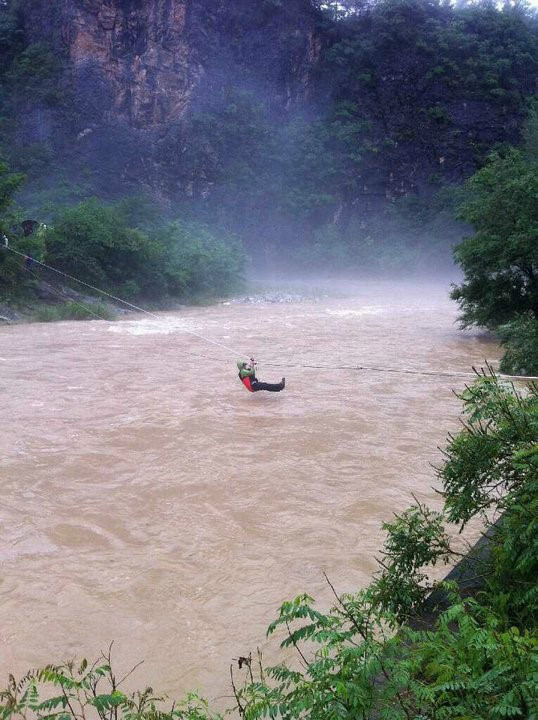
<point>149,499</point>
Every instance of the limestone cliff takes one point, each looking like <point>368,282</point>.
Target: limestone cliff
<point>135,69</point>
<point>141,51</point>
<point>262,116</point>
<point>145,60</point>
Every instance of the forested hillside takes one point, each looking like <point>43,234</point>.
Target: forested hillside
<point>326,134</point>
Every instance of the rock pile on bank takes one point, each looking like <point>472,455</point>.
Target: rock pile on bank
<point>273,297</point>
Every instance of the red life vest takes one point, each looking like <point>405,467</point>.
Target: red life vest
<point>246,383</point>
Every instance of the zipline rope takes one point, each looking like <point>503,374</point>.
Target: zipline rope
<point>117,299</point>
<point>367,368</point>
<point>406,371</point>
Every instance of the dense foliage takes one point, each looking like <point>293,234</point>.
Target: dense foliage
<point>500,261</point>
<point>412,96</point>
<point>376,653</point>
<point>9,184</point>
<point>10,266</point>
<point>121,248</point>
<point>520,339</point>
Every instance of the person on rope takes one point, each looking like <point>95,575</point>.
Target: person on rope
<point>247,375</point>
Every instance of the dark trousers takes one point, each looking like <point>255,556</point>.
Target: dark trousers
<point>272,387</point>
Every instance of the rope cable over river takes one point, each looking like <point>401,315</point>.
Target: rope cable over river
<point>366,368</point>
<point>146,493</point>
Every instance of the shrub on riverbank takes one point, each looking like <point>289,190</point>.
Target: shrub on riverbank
<point>102,245</point>
<point>11,275</point>
<point>500,260</point>
<point>123,249</point>
<point>71,310</point>
<point>362,659</point>
<point>198,263</point>
<point>520,337</point>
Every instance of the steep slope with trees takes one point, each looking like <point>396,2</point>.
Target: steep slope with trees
<point>330,135</point>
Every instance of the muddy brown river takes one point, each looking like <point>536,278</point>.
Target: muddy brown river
<point>147,498</point>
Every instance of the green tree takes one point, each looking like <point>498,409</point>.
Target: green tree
<point>491,469</point>
<point>103,245</point>
<point>198,263</point>
<point>520,338</point>
<point>500,261</point>
<point>530,133</point>
<point>12,276</point>
<point>9,184</point>
<point>94,242</point>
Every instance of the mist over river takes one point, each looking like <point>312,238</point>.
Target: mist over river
<point>149,499</point>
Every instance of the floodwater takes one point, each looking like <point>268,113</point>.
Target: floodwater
<point>148,499</point>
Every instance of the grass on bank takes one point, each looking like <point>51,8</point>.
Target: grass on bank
<point>71,310</point>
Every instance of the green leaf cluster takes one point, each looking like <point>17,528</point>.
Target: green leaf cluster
<point>500,261</point>
<point>9,184</point>
<point>85,691</point>
<point>520,338</point>
<point>100,244</point>
<point>123,248</point>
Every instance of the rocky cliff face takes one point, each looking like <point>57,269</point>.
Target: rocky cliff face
<point>141,52</point>
<point>135,69</point>
<point>237,110</point>
<point>143,61</point>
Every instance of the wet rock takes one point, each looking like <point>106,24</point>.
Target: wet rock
<point>273,298</point>
<point>141,63</point>
<point>278,297</point>
<point>8,315</point>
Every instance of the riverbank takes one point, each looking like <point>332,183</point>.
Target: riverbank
<point>46,303</point>
<point>61,302</point>
<point>57,303</point>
